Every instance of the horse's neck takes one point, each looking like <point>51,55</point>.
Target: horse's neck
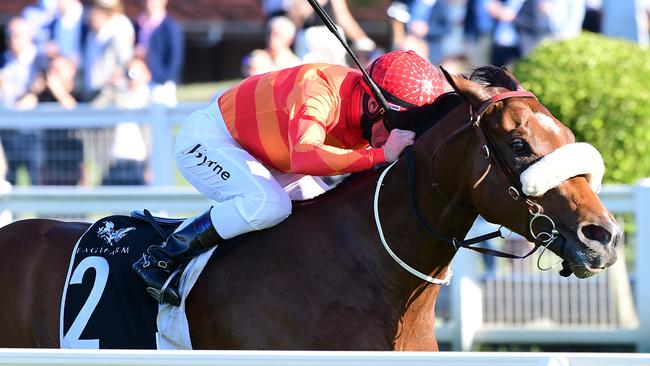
<point>398,305</point>
<point>411,242</point>
<point>450,169</point>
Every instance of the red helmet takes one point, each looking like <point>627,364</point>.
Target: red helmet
<point>405,79</point>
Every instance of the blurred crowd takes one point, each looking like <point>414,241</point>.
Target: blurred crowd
<point>458,34</point>
<point>63,52</point>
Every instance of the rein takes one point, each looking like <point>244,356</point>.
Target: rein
<point>507,174</point>
<point>413,271</point>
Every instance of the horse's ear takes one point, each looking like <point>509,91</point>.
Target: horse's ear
<point>472,92</point>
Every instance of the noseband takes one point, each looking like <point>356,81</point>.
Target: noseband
<point>494,156</point>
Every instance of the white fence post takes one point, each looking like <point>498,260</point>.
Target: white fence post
<point>466,300</point>
<point>162,146</point>
<point>642,285</point>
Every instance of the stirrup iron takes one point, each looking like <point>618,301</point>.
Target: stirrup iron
<point>159,295</point>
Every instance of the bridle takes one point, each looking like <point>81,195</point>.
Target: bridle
<point>494,156</point>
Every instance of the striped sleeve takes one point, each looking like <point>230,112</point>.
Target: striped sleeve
<point>317,108</point>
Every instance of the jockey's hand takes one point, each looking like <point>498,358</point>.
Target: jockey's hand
<point>397,141</point>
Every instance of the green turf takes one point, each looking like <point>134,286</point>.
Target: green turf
<point>201,92</point>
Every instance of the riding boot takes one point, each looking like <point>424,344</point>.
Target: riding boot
<point>158,266</point>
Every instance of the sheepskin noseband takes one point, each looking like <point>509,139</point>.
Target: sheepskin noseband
<point>566,162</point>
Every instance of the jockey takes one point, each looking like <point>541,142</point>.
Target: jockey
<point>313,119</point>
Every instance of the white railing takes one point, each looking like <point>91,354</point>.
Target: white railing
<point>470,322</point>
<point>533,307</point>
<point>311,358</point>
<point>160,119</point>
<point>81,201</point>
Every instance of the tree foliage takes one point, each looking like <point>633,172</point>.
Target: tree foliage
<point>600,88</point>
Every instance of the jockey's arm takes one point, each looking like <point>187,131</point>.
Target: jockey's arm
<point>310,155</point>
<point>315,108</point>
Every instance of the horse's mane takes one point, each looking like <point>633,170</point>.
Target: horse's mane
<point>493,76</point>
<point>420,119</point>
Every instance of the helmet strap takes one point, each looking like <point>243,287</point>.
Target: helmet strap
<point>372,113</point>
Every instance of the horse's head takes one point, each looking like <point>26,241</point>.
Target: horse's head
<point>529,175</point>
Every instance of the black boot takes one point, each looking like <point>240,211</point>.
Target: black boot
<point>159,264</point>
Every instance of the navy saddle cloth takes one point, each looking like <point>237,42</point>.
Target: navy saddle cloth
<point>104,303</point>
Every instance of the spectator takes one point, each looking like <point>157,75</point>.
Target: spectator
<point>565,18</point>
<point>128,150</point>
<point>430,20</point>
<point>257,62</point>
<point>40,16</point>
<point>19,65</point>
<point>160,42</point>
<point>593,16</point>
<point>532,24</point>
<point>20,62</point>
<point>541,19</point>
<point>626,19</point>
<point>55,85</point>
<point>399,13</point>
<point>69,31</point>
<point>62,151</point>
<point>277,54</point>
<point>505,45</point>
<point>314,43</point>
<point>274,8</point>
<point>453,50</point>
<point>479,26</point>
<point>109,46</point>
<point>399,16</point>
<point>415,43</point>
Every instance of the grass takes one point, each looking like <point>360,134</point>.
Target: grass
<point>202,92</point>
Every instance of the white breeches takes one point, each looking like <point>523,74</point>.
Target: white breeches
<point>247,196</point>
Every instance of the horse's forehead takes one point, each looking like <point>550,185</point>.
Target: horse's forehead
<point>533,116</point>
<point>547,126</point>
<point>548,123</point>
<point>515,114</point>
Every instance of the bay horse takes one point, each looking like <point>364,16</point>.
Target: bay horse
<point>321,280</point>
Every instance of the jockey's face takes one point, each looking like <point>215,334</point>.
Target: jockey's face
<point>379,134</point>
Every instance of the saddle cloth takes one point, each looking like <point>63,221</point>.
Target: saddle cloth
<point>105,305</point>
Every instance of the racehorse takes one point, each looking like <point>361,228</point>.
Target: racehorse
<point>321,280</point>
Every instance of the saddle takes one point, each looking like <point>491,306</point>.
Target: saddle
<point>104,304</point>
<point>145,215</point>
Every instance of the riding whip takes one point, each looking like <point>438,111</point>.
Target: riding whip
<point>329,23</point>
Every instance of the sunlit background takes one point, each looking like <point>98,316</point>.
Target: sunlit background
<point>87,129</point>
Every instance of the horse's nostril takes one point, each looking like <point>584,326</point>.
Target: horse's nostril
<point>597,233</point>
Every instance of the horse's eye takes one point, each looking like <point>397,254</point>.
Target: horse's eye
<point>519,147</point>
